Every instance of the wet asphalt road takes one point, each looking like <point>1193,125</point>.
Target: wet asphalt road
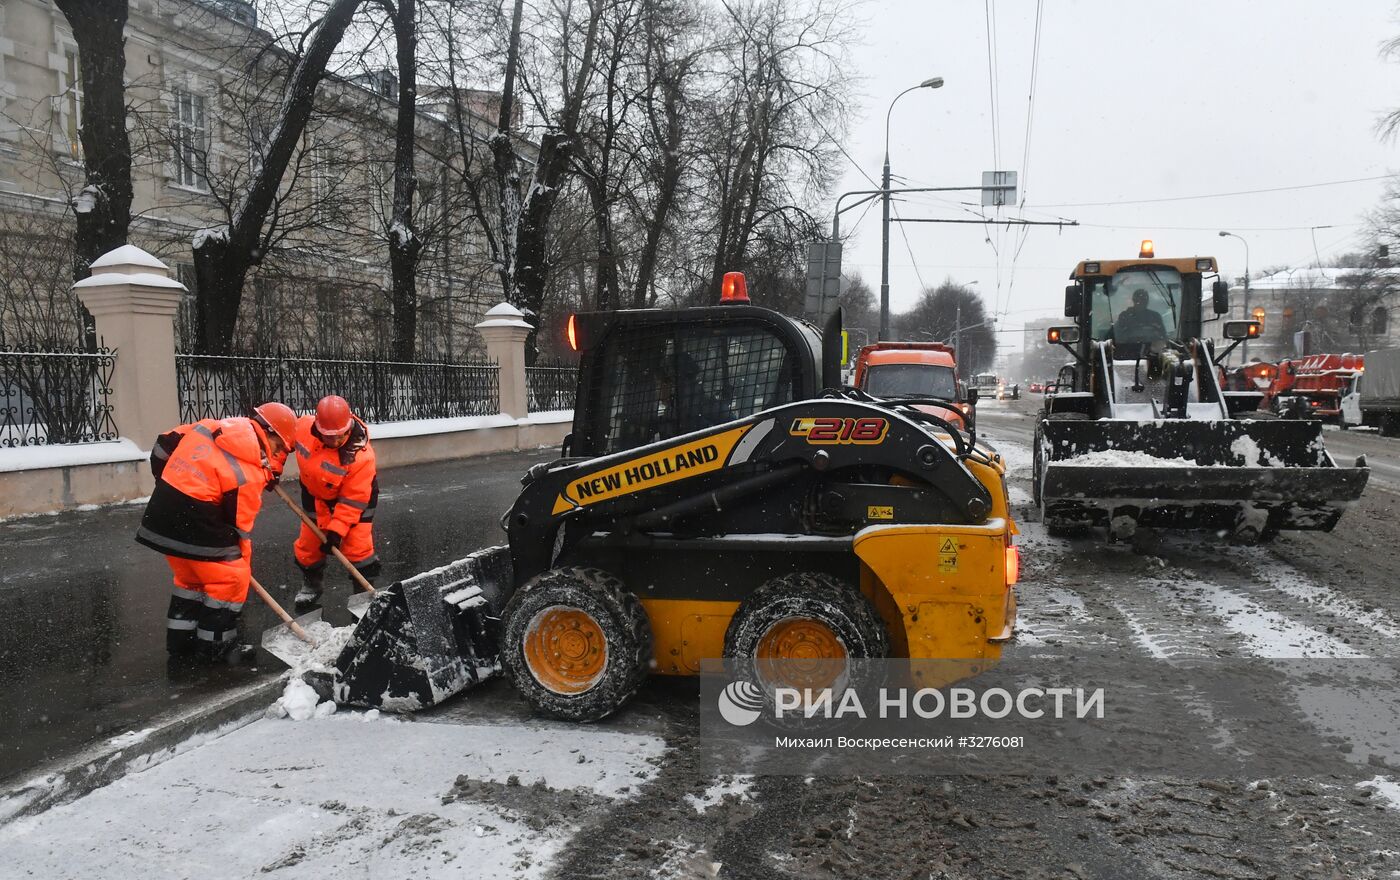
<point>82,654</point>
<point>1328,600</point>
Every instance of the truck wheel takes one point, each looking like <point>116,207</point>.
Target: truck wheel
<point>799,629</point>
<point>576,643</point>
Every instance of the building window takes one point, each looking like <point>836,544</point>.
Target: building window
<point>191,141</point>
<point>1380,321</point>
<point>73,104</point>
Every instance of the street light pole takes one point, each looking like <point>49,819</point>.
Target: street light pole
<point>1244,346</point>
<point>933,83</point>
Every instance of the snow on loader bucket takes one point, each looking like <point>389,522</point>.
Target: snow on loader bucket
<point>425,638</point>
<point>1249,477</point>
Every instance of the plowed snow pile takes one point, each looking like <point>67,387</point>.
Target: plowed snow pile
<point>1124,458</point>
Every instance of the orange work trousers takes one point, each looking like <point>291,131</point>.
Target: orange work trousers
<point>206,600</point>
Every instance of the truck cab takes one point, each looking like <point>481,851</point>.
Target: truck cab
<point>891,370</point>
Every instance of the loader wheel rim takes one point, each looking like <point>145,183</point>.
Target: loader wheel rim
<point>802,653</point>
<point>565,649</point>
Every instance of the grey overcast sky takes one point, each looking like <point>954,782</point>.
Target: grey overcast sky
<point>1133,102</point>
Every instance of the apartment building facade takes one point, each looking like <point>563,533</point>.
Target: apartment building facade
<point>203,87</point>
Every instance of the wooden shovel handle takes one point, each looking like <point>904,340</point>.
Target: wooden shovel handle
<point>280,612</point>
<point>321,536</point>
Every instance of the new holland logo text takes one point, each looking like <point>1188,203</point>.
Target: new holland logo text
<point>677,463</point>
<point>647,471</point>
<point>829,431</point>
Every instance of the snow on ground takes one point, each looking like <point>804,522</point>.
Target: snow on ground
<point>1019,462</point>
<point>1265,633</point>
<point>1292,583</point>
<point>727,785</point>
<point>333,797</point>
<point>1386,788</point>
<point>1145,639</point>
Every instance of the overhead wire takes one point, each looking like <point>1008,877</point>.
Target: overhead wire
<point>989,16</point>
<point>1026,149</point>
<point>1218,195</point>
<point>910,248</point>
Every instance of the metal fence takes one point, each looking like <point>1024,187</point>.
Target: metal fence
<point>551,386</point>
<point>214,386</point>
<point>49,397</point>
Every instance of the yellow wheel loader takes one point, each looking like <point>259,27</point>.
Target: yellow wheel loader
<point>719,496</point>
<point>1141,432</point>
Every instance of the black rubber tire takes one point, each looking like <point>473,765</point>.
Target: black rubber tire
<point>626,632</point>
<point>842,608</point>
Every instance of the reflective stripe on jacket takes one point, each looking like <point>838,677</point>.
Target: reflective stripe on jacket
<point>208,493</point>
<point>345,479</point>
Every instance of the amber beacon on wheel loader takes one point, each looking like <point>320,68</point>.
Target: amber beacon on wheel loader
<point>1139,430</point>
<point>719,496</point>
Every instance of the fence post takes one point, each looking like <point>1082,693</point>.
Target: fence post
<point>133,300</point>
<point>504,330</point>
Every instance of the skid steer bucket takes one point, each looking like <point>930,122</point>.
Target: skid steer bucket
<point>1251,478</point>
<point>425,638</point>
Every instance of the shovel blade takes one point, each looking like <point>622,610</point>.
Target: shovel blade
<point>358,604</point>
<point>287,646</point>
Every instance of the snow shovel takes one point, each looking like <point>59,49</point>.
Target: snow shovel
<point>275,640</point>
<point>358,602</point>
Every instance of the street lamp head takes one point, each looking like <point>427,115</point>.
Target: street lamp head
<point>1224,233</point>
<point>932,83</point>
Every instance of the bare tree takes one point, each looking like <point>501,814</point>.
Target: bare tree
<point>103,207</point>
<point>224,256</point>
<point>772,126</point>
<point>405,247</point>
<point>951,312</point>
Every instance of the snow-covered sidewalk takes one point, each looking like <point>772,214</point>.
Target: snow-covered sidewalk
<point>347,795</point>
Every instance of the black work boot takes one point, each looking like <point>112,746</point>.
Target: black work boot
<point>310,594</point>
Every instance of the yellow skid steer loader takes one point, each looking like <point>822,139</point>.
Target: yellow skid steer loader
<point>720,496</point>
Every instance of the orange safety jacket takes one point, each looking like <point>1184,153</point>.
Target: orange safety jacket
<point>165,445</point>
<point>208,490</point>
<point>346,479</point>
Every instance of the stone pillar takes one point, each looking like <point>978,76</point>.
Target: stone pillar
<point>133,300</point>
<point>504,330</point>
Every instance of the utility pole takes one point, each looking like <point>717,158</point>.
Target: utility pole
<point>885,244</point>
<point>1244,346</point>
<point>932,83</point>
<point>957,338</point>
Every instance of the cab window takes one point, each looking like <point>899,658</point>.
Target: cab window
<point>911,380</point>
<point>662,381</point>
<point>1141,305</point>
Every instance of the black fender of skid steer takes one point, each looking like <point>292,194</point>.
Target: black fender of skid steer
<point>783,438</point>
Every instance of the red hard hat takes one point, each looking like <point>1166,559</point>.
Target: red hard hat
<point>279,418</point>
<point>332,415</point>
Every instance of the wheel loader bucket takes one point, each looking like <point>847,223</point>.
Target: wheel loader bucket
<point>425,638</point>
<point>1247,477</point>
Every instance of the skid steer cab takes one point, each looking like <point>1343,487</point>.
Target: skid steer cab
<point>719,496</point>
<point>1145,433</point>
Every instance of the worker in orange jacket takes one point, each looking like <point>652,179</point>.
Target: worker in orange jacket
<point>210,476</point>
<point>339,489</point>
